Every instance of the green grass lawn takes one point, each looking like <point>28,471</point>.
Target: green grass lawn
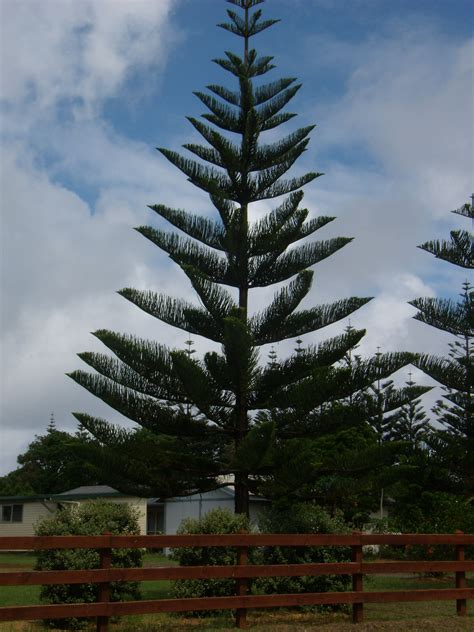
<point>392,617</point>
<point>413,610</point>
<point>29,595</point>
<point>17,560</point>
<point>18,595</point>
<point>152,558</point>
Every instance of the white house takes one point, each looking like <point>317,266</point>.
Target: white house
<point>166,516</point>
<point>18,514</point>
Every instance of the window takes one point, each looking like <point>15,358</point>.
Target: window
<point>155,519</point>
<point>12,513</point>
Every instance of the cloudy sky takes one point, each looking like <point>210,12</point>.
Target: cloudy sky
<point>91,87</point>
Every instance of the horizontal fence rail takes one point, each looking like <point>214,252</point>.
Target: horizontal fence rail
<point>31,542</point>
<point>242,572</point>
<point>31,578</point>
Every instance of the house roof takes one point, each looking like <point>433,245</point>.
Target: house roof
<point>91,490</point>
<point>79,493</point>
<point>104,491</point>
<point>221,493</point>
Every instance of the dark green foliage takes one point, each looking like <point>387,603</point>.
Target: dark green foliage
<point>459,250</point>
<point>302,518</point>
<point>381,403</point>
<point>456,373</point>
<point>434,512</point>
<point>297,518</point>
<point>210,417</point>
<point>52,463</point>
<point>215,521</point>
<point>411,424</point>
<point>341,452</point>
<point>89,518</point>
<point>15,484</point>
<point>390,411</point>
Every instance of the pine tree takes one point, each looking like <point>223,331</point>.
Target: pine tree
<point>230,428</point>
<point>412,424</point>
<point>373,396</point>
<point>384,406</point>
<point>333,436</point>
<point>381,402</point>
<point>272,358</point>
<point>52,423</point>
<point>456,373</point>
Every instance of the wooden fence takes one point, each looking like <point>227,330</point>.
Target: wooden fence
<point>242,572</point>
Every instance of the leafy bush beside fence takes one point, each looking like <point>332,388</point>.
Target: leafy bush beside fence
<point>435,512</point>
<point>300,518</point>
<point>303,518</point>
<point>89,518</point>
<point>216,521</point>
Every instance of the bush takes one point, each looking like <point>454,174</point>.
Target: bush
<point>90,518</point>
<point>216,521</point>
<point>435,512</point>
<point>303,518</point>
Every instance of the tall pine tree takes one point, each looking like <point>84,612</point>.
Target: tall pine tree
<point>208,418</point>
<point>456,373</point>
<point>411,424</point>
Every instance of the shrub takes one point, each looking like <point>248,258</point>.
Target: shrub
<point>303,518</point>
<point>89,518</point>
<point>216,521</point>
<point>435,512</point>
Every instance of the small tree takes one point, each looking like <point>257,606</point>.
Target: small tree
<point>89,518</point>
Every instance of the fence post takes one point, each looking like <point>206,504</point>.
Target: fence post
<point>460,579</point>
<point>242,586</point>
<point>357,582</point>
<point>104,588</point>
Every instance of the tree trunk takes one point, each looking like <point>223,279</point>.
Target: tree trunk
<point>241,494</point>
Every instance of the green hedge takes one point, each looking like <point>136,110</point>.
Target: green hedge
<point>299,518</point>
<point>303,518</point>
<point>89,518</point>
<point>216,521</point>
<point>435,512</point>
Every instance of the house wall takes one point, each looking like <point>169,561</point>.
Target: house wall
<point>175,510</point>
<point>195,506</point>
<point>256,509</point>
<point>37,510</point>
<point>32,512</point>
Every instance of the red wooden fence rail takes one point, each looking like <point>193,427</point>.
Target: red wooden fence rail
<point>242,573</point>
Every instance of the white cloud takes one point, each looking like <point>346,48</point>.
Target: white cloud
<point>61,259</point>
<point>407,108</point>
<point>77,52</point>
<point>409,104</point>
<point>64,265</point>
<point>388,318</point>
